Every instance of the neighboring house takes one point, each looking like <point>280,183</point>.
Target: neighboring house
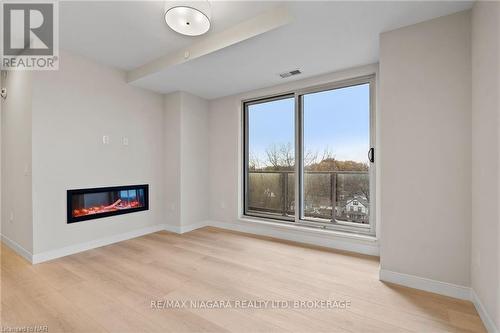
<point>358,204</point>
<point>355,209</point>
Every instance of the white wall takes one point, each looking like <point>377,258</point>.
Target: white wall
<point>186,130</point>
<point>72,109</point>
<point>425,101</point>
<point>172,127</point>
<point>225,159</point>
<point>194,160</point>
<point>16,160</point>
<point>486,156</point>
<point>58,124</point>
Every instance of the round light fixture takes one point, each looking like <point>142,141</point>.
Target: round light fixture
<point>187,20</point>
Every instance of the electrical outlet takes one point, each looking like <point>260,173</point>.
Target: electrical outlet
<point>11,217</point>
<point>105,139</point>
<point>125,141</point>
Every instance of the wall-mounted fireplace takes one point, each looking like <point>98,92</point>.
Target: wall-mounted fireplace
<point>94,203</point>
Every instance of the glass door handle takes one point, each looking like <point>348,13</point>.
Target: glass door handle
<point>371,155</point>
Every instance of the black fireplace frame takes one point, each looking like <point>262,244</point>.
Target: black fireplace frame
<point>70,193</point>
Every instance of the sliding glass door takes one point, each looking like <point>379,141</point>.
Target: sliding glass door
<point>270,158</point>
<point>336,144</point>
<point>325,135</point>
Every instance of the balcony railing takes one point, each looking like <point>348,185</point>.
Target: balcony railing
<point>329,196</point>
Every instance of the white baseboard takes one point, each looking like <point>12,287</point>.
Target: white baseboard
<point>314,237</point>
<point>442,288</point>
<point>319,237</point>
<point>185,228</point>
<point>72,249</point>
<point>485,317</point>
<point>193,226</point>
<point>17,248</point>
<point>433,286</point>
<point>172,228</point>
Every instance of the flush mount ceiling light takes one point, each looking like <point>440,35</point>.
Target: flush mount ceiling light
<point>188,19</point>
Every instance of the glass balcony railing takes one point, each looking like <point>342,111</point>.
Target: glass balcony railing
<point>329,196</point>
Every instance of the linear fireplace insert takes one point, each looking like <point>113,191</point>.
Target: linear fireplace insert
<point>93,203</point>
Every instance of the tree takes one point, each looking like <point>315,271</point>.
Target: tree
<point>331,164</point>
<point>273,157</point>
<point>253,161</point>
<point>287,155</point>
<point>310,158</point>
<point>280,158</point>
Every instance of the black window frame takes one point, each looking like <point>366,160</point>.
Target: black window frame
<point>297,219</point>
<point>246,158</point>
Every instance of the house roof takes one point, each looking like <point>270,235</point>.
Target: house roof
<point>361,200</point>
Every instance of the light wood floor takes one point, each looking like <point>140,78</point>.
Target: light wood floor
<point>110,289</point>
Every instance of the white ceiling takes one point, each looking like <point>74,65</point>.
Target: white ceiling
<point>324,37</point>
<point>127,34</point>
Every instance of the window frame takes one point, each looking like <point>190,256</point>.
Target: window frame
<point>246,157</point>
<point>296,220</point>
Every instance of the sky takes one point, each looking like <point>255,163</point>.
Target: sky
<point>337,120</point>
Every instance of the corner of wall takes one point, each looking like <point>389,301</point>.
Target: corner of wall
<point>172,136</point>
<point>186,127</point>
<point>485,231</point>
<point>16,161</point>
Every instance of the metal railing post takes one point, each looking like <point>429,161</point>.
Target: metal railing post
<point>284,193</point>
<point>333,193</point>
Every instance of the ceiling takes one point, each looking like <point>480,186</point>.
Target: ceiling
<point>127,34</point>
<point>323,37</point>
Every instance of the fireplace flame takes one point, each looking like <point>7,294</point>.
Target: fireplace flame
<point>117,205</point>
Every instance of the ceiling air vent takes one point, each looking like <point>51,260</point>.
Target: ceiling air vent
<point>290,73</point>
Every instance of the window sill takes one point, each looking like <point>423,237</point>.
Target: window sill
<point>310,230</point>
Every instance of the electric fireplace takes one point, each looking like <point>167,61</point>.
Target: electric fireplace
<point>94,203</point>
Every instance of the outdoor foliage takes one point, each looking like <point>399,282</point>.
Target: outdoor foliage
<point>326,181</point>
